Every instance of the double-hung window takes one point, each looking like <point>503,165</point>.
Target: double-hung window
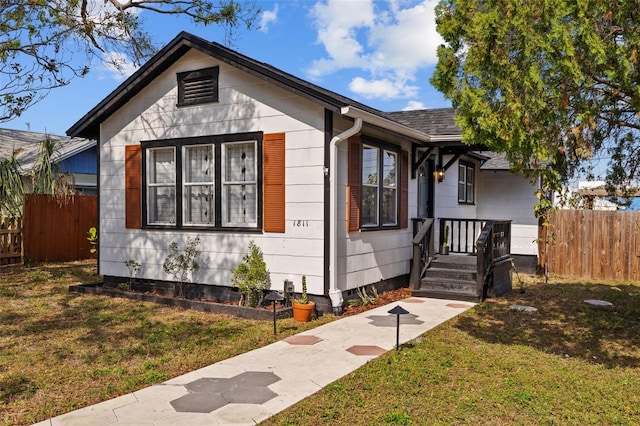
<point>379,202</point>
<point>208,182</point>
<point>239,185</point>
<point>198,185</point>
<point>466,172</point>
<point>161,186</point>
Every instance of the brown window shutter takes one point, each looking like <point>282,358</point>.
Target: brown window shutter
<point>354,178</point>
<point>133,186</point>
<point>404,190</point>
<point>273,150</point>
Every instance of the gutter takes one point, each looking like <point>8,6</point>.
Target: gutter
<point>335,295</point>
<point>359,116</point>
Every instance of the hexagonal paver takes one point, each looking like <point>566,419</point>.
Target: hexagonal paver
<point>458,305</point>
<point>207,394</point>
<point>198,403</point>
<point>209,385</point>
<point>302,340</point>
<point>255,378</point>
<point>366,350</point>
<point>249,395</point>
<point>392,321</point>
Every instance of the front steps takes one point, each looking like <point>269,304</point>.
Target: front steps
<point>450,276</point>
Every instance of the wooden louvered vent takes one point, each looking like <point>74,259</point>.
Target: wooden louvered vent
<point>197,87</point>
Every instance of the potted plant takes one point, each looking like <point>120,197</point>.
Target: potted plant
<point>444,247</point>
<point>303,308</point>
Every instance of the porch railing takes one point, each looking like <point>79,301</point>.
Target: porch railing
<point>493,247</point>
<point>462,234</point>
<point>423,250</point>
<point>489,240</point>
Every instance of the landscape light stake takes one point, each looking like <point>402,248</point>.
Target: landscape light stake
<point>274,297</point>
<point>397,311</point>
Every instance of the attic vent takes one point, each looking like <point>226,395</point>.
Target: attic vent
<point>198,87</point>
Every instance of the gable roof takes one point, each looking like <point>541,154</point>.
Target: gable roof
<point>29,144</point>
<point>88,126</point>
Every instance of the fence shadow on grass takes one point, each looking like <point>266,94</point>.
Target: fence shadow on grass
<point>563,323</point>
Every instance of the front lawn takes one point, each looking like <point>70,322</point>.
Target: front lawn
<point>567,363</point>
<point>60,351</point>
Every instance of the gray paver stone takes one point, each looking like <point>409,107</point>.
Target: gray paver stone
<point>199,403</point>
<point>249,395</point>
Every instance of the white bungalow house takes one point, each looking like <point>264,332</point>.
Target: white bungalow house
<point>203,141</point>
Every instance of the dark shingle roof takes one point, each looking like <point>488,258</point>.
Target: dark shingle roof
<point>434,122</point>
<point>496,161</point>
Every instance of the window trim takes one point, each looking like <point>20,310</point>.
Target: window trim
<point>217,141</point>
<point>381,147</point>
<point>186,77</point>
<point>463,198</point>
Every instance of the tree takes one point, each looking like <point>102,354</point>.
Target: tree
<point>45,178</point>
<point>553,84</point>
<point>47,43</point>
<point>11,190</point>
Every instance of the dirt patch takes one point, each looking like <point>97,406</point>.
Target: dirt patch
<point>382,299</point>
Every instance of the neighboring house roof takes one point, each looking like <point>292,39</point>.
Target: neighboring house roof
<point>88,126</point>
<point>495,161</point>
<point>29,145</point>
<point>601,191</point>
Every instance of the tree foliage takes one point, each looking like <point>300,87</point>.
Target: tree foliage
<point>552,83</point>
<point>11,188</point>
<point>44,178</point>
<point>44,44</point>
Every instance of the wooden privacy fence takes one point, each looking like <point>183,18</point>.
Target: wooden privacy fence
<point>595,244</point>
<point>55,229</point>
<point>10,241</point>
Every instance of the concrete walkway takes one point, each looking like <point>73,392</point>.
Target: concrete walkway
<point>251,387</point>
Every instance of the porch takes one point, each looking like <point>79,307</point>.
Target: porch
<point>477,263</point>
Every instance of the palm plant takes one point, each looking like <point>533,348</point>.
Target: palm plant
<point>11,188</point>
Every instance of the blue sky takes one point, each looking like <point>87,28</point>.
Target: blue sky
<point>381,53</point>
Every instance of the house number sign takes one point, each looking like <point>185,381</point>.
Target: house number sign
<point>301,223</point>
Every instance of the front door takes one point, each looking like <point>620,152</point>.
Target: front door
<point>426,189</point>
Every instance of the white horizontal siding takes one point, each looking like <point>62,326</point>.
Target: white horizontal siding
<point>247,104</point>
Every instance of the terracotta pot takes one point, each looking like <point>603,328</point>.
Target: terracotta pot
<point>303,312</point>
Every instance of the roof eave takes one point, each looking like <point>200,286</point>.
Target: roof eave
<point>376,120</point>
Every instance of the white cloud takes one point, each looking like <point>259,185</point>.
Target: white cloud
<point>412,105</point>
<point>118,65</point>
<point>382,89</point>
<point>268,17</point>
<point>389,44</point>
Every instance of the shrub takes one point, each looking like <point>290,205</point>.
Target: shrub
<point>251,276</point>
<point>181,265</point>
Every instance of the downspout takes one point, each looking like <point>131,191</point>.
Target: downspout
<point>335,295</point>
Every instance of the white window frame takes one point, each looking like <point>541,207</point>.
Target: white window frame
<point>160,185</point>
<point>379,185</point>
<point>224,183</point>
<point>375,185</point>
<point>186,184</point>
<point>466,183</point>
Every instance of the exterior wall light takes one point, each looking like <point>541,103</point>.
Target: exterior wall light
<point>439,174</point>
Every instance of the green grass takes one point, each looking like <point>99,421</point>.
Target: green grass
<point>567,363</point>
<point>60,351</point>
